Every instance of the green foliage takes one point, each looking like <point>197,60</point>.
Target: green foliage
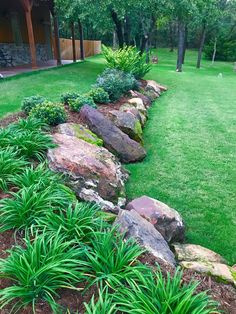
<point>226,50</point>
<point>29,103</point>
<point>29,124</point>
<point>38,270</point>
<point>77,222</point>
<point>80,101</point>
<point>111,259</point>
<point>66,97</point>
<point>99,95</point>
<point>104,304</point>
<point>10,166</point>
<point>153,294</point>
<point>22,209</point>
<point>127,59</point>
<point>116,83</point>
<point>50,113</point>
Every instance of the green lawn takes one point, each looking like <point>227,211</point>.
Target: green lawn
<point>190,140</point>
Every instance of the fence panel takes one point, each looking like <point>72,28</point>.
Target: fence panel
<point>91,48</point>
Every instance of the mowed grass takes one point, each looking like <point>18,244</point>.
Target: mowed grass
<point>190,140</point>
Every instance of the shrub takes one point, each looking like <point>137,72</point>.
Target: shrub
<point>99,95</point>
<point>116,83</point>
<point>50,113</point>
<point>10,166</point>
<point>226,50</point>
<point>38,270</point>
<point>104,304</point>
<point>79,102</point>
<point>29,103</point>
<point>127,59</point>
<point>77,222</point>
<point>111,259</point>
<point>152,293</point>
<point>66,97</point>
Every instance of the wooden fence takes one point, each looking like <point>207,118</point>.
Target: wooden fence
<point>91,48</point>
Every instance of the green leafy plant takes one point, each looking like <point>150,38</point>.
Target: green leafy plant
<point>29,103</point>
<point>38,270</point>
<point>77,222</point>
<point>104,304</point>
<point>29,124</point>
<point>99,95</point>
<point>10,166</point>
<point>24,207</point>
<point>66,97</point>
<point>116,83</point>
<point>110,259</point>
<point>127,59</point>
<point>79,102</point>
<point>50,113</point>
<point>151,293</point>
<point>5,137</point>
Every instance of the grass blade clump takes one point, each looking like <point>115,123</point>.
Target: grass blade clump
<point>10,165</point>
<point>154,294</point>
<point>29,124</point>
<point>38,270</point>
<point>104,304</point>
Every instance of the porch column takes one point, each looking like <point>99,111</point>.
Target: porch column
<point>73,41</point>
<point>27,5</point>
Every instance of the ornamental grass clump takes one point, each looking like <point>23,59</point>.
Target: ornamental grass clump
<point>103,305</point>
<point>38,270</point>
<point>10,166</point>
<point>29,124</point>
<point>151,293</point>
<point>75,222</point>
<point>110,259</point>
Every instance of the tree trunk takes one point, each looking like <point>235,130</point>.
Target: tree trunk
<point>73,41</point>
<point>185,42</point>
<point>119,28</point>
<point>127,31</point>
<point>180,46</point>
<point>201,46</point>
<point>81,37</point>
<point>214,52</point>
<point>144,41</point>
<point>171,32</point>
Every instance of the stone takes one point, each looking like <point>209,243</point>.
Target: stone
<point>134,226</point>
<point>153,85</point>
<point>79,131</point>
<point>165,219</point>
<point>88,169</point>
<point>114,139</point>
<point>138,104</point>
<point>131,108</point>
<point>151,95</point>
<point>146,100</point>
<point>128,123</point>
<point>221,271</point>
<point>193,252</point>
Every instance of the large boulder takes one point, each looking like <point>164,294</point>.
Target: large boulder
<point>165,219</point>
<point>128,123</point>
<point>79,131</point>
<point>193,252</point>
<point>146,100</point>
<point>114,139</point>
<point>132,109</point>
<point>138,104</point>
<point>153,85</point>
<point>90,170</point>
<point>134,226</point>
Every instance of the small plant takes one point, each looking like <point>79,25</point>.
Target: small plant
<point>76,223</point>
<point>111,260</point>
<point>79,102</point>
<point>116,83</point>
<point>10,166</point>
<point>29,124</point>
<point>99,95</point>
<point>127,59</point>
<point>66,97</point>
<point>104,304</point>
<point>38,270</point>
<point>152,293</point>
<point>50,113</point>
<point>29,103</point>
<point>5,137</point>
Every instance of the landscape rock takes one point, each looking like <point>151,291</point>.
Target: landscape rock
<point>131,108</point>
<point>114,139</point>
<point>193,252</point>
<point>221,271</point>
<point>165,219</point>
<point>134,226</point>
<point>128,123</point>
<point>138,104</point>
<point>88,168</point>
<point>146,100</point>
<point>151,95</point>
<point>79,131</point>
<point>153,85</point>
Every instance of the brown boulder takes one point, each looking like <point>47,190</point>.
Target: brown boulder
<point>153,85</point>
<point>146,100</point>
<point>114,139</point>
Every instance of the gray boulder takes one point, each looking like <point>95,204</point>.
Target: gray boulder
<point>114,139</point>
<point>165,219</point>
<point>134,226</point>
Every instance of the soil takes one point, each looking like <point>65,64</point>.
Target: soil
<point>11,118</point>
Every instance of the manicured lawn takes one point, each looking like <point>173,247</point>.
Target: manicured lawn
<point>190,140</point>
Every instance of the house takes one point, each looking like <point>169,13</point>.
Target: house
<point>26,35</point>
